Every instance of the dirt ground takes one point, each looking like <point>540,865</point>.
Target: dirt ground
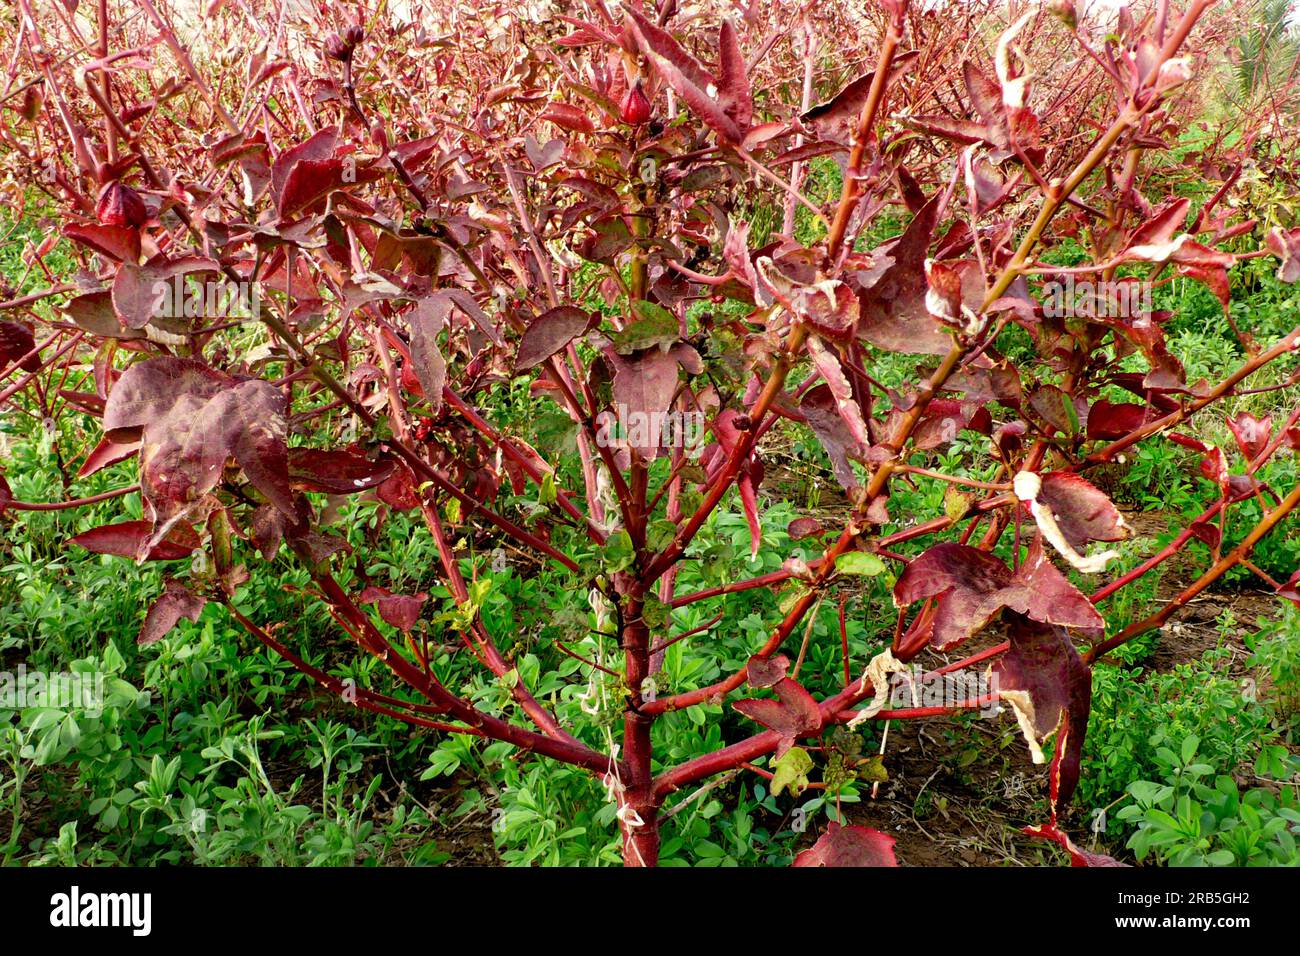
<point>960,792</point>
<point>953,802</point>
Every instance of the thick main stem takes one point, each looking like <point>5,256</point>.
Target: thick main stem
<point>638,805</point>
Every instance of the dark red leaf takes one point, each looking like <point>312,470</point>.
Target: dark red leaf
<point>801,528</point>
<point>846,403</point>
<point>107,453</point>
<point>569,117</point>
<point>94,312</point>
<point>685,74</point>
<point>427,321</point>
<point>830,307</point>
<point>336,471</point>
<point>192,419</point>
<point>1083,512</point>
<point>399,490</point>
<point>1049,687</point>
<point>733,78</point>
<point>268,529</point>
<point>849,846</point>
<point>793,715</point>
<point>1285,244</point>
<point>944,419</point>
<point>126,539</point>
<point>1110,420</point>
<point>15,342</point>
<point>822,413</point>
<point>1252,433</point>
<point>400,610</point>
<point>318,148</point>
<point>549,333</point>
<point>1054,407</point>
<point>176,602</point>
<point>120,205</point>
<point>973,586</point>
<point>1207,533</point>
<point>968,582</point>
<point>144,293</point>
<point>121,243</point>
<point>1161,227</point>
<point>644,386</point>
<point>1291,589</point>
<point>894,315</point>
<point>767,671</point>
<point>836,120</point>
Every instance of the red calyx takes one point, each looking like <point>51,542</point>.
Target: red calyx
<point>120,205</point>
<point>341,46</point>
<point>635,108</point>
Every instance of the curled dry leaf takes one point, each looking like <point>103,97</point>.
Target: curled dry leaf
<point>1045,681</point>
<point>1070,512</point>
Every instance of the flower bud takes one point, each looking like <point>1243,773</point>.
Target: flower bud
<point>635,108</point>
<point>337,48</point>
<point>120,205</point>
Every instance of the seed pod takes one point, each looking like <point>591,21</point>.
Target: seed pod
<point>120,205</point>
<point>635,108</point>
<point>33,98</point>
